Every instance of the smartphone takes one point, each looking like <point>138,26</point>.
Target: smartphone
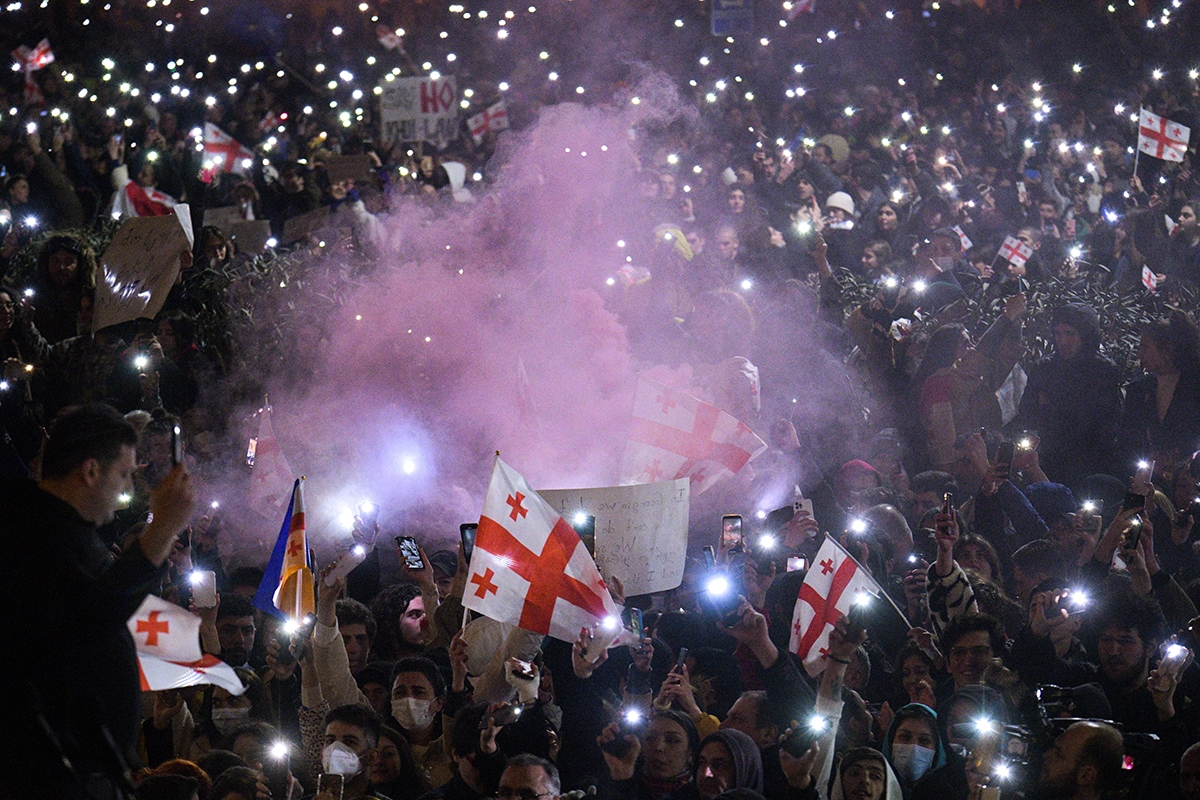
<point>1134,534</point>
<point>1004,457</point>
<point>251,449</point>
<point>467,532</point>
<point>683,654</point>
<point>346,563</point>
<point>710,558</point>
<point>859,613</point>
<point>632,617</point>
<point>731,533</point>
<point>277,770</point>
<point>1143,475</point>
<point>801,738</point>
<point>803,507</point>
<point>501,717</point>
<point>330,786</point>
<point>523,669</point>
<point>795,563</point>
<point>585,526</point>
<point>630,723</point>
<point>176,445</point>
<point>204,588</point>
<point>410,552</point>
<point>1025,440</point>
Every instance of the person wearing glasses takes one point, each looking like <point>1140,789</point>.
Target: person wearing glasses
<point>528,777</point>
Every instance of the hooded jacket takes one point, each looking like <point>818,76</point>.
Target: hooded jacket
<point>946,778</point>
<point>747,760</point>
<point>891,791</point>
<point>1074,403</point>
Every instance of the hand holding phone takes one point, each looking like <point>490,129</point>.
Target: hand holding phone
<point>410,552</point>
<point>204,588</point>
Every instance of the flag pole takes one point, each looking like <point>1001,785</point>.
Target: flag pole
<point>1137,152</point>
<point>882,590</point>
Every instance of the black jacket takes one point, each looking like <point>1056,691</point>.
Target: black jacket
<point>70,668</point>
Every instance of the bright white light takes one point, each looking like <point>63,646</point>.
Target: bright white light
<point>580,518</point>
<point>633,716</point>
<point>141,362</point>
<point>280,748</point>
<point>409,466</point>
<point>610,623</point>
<point>1176,651</point>
<point>747,284</point>
<point>196,577</point>
<point>366,507</point>
<point>717,586</point>
<point>817,723</point>
<point>767,542</point>
<point>919,286</point>
<point>290,627</point>
<point>858,525</point>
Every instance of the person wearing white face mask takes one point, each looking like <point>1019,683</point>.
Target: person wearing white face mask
<point>351,739</point>
<point>418,696</point>
<point>926,767</point>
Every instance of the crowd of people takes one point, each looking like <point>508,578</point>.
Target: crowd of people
<point>917,249</point>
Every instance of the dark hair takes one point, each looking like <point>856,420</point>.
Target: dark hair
<point>1041,557</point>
<point>94,431</point>
<point>685,722</point>
<point>464,731</point>
<point>182,326</point>
<point>234,605</point>
<point>1126,609</point>
<point>940,352</point>
<point>387,608</point>
<point>412,776</point>
<point>426,667</point>
<point>933,481</point>
<point>85,257</point>
<point>351,612</point>
<point>245,576</point>
<point>530,760</point>
<point>1176,336</point>
<point>960,626</point>
<point>239,780</point>
<point>989,551</point>
<point>359,716</point>
<point>217,762</point>
<point>264,733</point>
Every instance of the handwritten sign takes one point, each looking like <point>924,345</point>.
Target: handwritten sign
<point>298,227</point>
<point>250,235</point>
<point>140,266</point>
<point>641,530</point>
<point>420,110</point>
<point>357,168</point>
<point>222,217</point>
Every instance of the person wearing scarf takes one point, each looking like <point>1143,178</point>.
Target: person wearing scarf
<point>917,751</point>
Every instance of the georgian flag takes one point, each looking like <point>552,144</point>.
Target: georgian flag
<point>675,435</point>
<point>388,37</point>
<point>963,239</point>
<point>30,61</point>
<point>495,118</point>
<point>1162,138</point>
<point>530,568</point>
<point>1149,279</point>
<point>167,639</point>
<point>1015,251</point>
<point>830,588</point>
<point>223,153</point>
<point>270,473</point>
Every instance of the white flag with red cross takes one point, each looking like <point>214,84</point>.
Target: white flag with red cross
<point>1015,251</point>
<point>270,475</point>
<point>1162,138</point>
<point>675,435</point>
<point>963,239</point>
<point>830,589</point>
<point>1149,279</point>
<point>494,118</point>
<point>167,639</point>
<point>388,37</point>
<point>31,60</point>
<point>223,153</point>
<point>530,568</point>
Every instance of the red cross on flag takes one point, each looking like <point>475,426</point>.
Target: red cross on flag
<point>828,592</point>
<point>1149,279</point>
<point>495,118</point>
<point>1015,251</point>
<point>223,153</point>
<point>294,594</point>
<point>530,568</point>
<point>1162,138</point>
<point>270,474</point>
<point>963,239</point>
<point>30,61</point>
<point>164,629</point>
<point>388,37</point>
<point>675,435</point>
<point>168,647</point>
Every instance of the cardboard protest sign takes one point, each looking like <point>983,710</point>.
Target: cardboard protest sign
<point>298,227</point>
<point>250,235</point>
<point>222,217</point>
<point>420,110</point>
<point>140,266</point>
<point>359,169</point>
<point>641,530</point>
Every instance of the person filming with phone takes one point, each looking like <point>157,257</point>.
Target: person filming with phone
<point>73,715</point>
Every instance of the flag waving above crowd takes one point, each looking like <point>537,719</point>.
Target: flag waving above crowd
<point>168,648</point>
<point>675,435</point>
<point>1162,138</point>
<point>530,568</point>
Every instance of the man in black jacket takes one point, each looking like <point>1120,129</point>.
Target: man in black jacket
<point>72,714</point>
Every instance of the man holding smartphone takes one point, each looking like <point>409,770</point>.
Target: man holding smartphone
<point>75,696</point>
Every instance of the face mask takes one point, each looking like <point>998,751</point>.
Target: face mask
<point>411,713</point>
<point>944,263</point>
<point>911,761</point>
<point>226,719</point>
<point>338,759</point>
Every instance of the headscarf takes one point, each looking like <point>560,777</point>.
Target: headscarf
<point>891,792</point>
